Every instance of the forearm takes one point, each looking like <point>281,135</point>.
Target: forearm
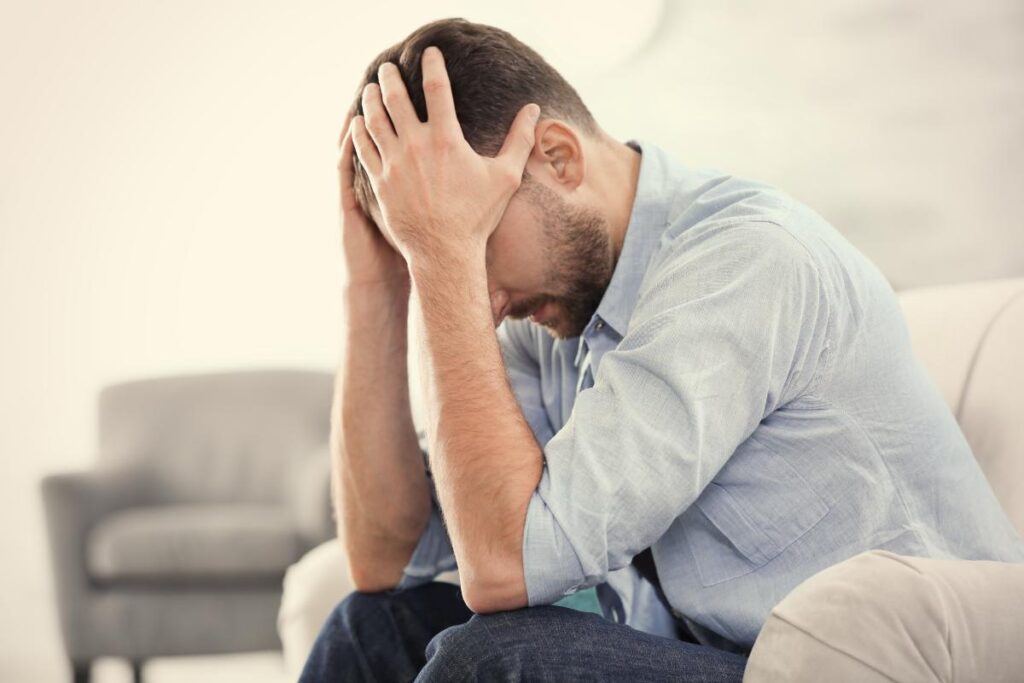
<point>382,496</point>
<point>441,201</point>
<point>485,460</point>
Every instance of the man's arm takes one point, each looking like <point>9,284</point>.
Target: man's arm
<point>485,459</point>
<point>381,494</point>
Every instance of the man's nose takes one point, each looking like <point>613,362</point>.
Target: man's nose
<point>499,304</point>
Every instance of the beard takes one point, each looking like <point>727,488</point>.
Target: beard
<point>580,261</point>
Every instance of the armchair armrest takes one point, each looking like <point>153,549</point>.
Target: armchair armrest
<point>73,503</point>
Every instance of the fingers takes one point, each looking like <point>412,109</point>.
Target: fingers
<point>344,128</point>
<point>396,98</point>
<point>437,90</point>
<point>365,149</point>
<point>377,122</point>
<point>520,139</point>
<point>345,170</point>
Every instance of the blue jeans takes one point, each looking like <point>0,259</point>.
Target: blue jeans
<point>428,634</point>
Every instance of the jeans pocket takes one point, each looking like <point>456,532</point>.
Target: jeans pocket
<point>755,508</point>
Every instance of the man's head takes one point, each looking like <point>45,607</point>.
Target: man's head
<point>553,253</point>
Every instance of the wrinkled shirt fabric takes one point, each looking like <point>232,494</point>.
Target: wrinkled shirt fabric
<point>746,403</point>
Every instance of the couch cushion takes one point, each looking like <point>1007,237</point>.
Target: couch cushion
<point>991,414</point>
<point>969,338</point>
<point>192,543</point>
<point>948,323</point>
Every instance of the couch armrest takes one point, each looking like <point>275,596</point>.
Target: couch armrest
<point>309,498</point>
<point>313,587</point>
<point>880,617</point>
<point>73,503</point>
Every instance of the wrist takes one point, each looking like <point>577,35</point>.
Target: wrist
<point>376,308</point>
<point>393,281</point>
<point>378,294</point>
<point>455,264</point>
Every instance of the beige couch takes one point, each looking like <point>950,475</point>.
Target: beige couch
<point>877,616</point>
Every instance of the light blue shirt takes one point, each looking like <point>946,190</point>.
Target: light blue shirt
<point>746,402</point>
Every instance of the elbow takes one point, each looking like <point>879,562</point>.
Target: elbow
<point>489,594</point>
<point>375,561</point>
<point>372,579</point>
<point>493,577</point>
<point>374,569</point>
<point>482,600</point>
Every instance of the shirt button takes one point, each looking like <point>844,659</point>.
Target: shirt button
<point>600,325</point>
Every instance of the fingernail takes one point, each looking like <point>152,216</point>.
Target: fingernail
<point>535,112</point>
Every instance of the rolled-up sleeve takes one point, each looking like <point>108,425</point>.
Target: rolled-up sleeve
<point>433,554</point>
<point>729,324</point>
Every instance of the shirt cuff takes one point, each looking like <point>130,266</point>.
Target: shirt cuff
<point>550,564</point>
<point>433,554</point>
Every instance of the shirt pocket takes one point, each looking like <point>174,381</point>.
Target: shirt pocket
<point>756,507</point>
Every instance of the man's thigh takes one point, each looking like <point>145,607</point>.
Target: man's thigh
<point>558,644</point>
<point>383,636</point>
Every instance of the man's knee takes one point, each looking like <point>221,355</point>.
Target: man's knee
<point>355,609</point>
<point>355,624</point>
<point>489,645</point>
<point>357,632</point>
<point>460,649</point>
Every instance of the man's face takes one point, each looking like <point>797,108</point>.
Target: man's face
<point>552,260</point>
<point>547,260</point>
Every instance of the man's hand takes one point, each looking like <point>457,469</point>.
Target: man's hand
<point>369,260</point>
<point>438,197</point>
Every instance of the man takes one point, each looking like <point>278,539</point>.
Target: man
<point>714,396</point>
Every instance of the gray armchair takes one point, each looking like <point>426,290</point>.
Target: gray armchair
<point>207,488</point>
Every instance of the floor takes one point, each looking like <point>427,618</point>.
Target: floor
<point>263,667</point>
<point>260,667</point>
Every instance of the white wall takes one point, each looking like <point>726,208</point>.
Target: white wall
<point>167,198</point>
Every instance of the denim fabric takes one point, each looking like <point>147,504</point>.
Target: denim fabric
<point>383,636</point>
<point>746,402</point>
<point>426,634</point>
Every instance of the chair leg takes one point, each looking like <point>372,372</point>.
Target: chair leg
<point>136,671</point>
<point>81,671</point>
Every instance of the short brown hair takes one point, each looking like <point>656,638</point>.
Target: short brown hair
<point>493,75</point>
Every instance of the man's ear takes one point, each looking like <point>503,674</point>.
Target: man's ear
<point>558,154</point>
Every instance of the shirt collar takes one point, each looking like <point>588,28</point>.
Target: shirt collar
<point>647,223</point>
